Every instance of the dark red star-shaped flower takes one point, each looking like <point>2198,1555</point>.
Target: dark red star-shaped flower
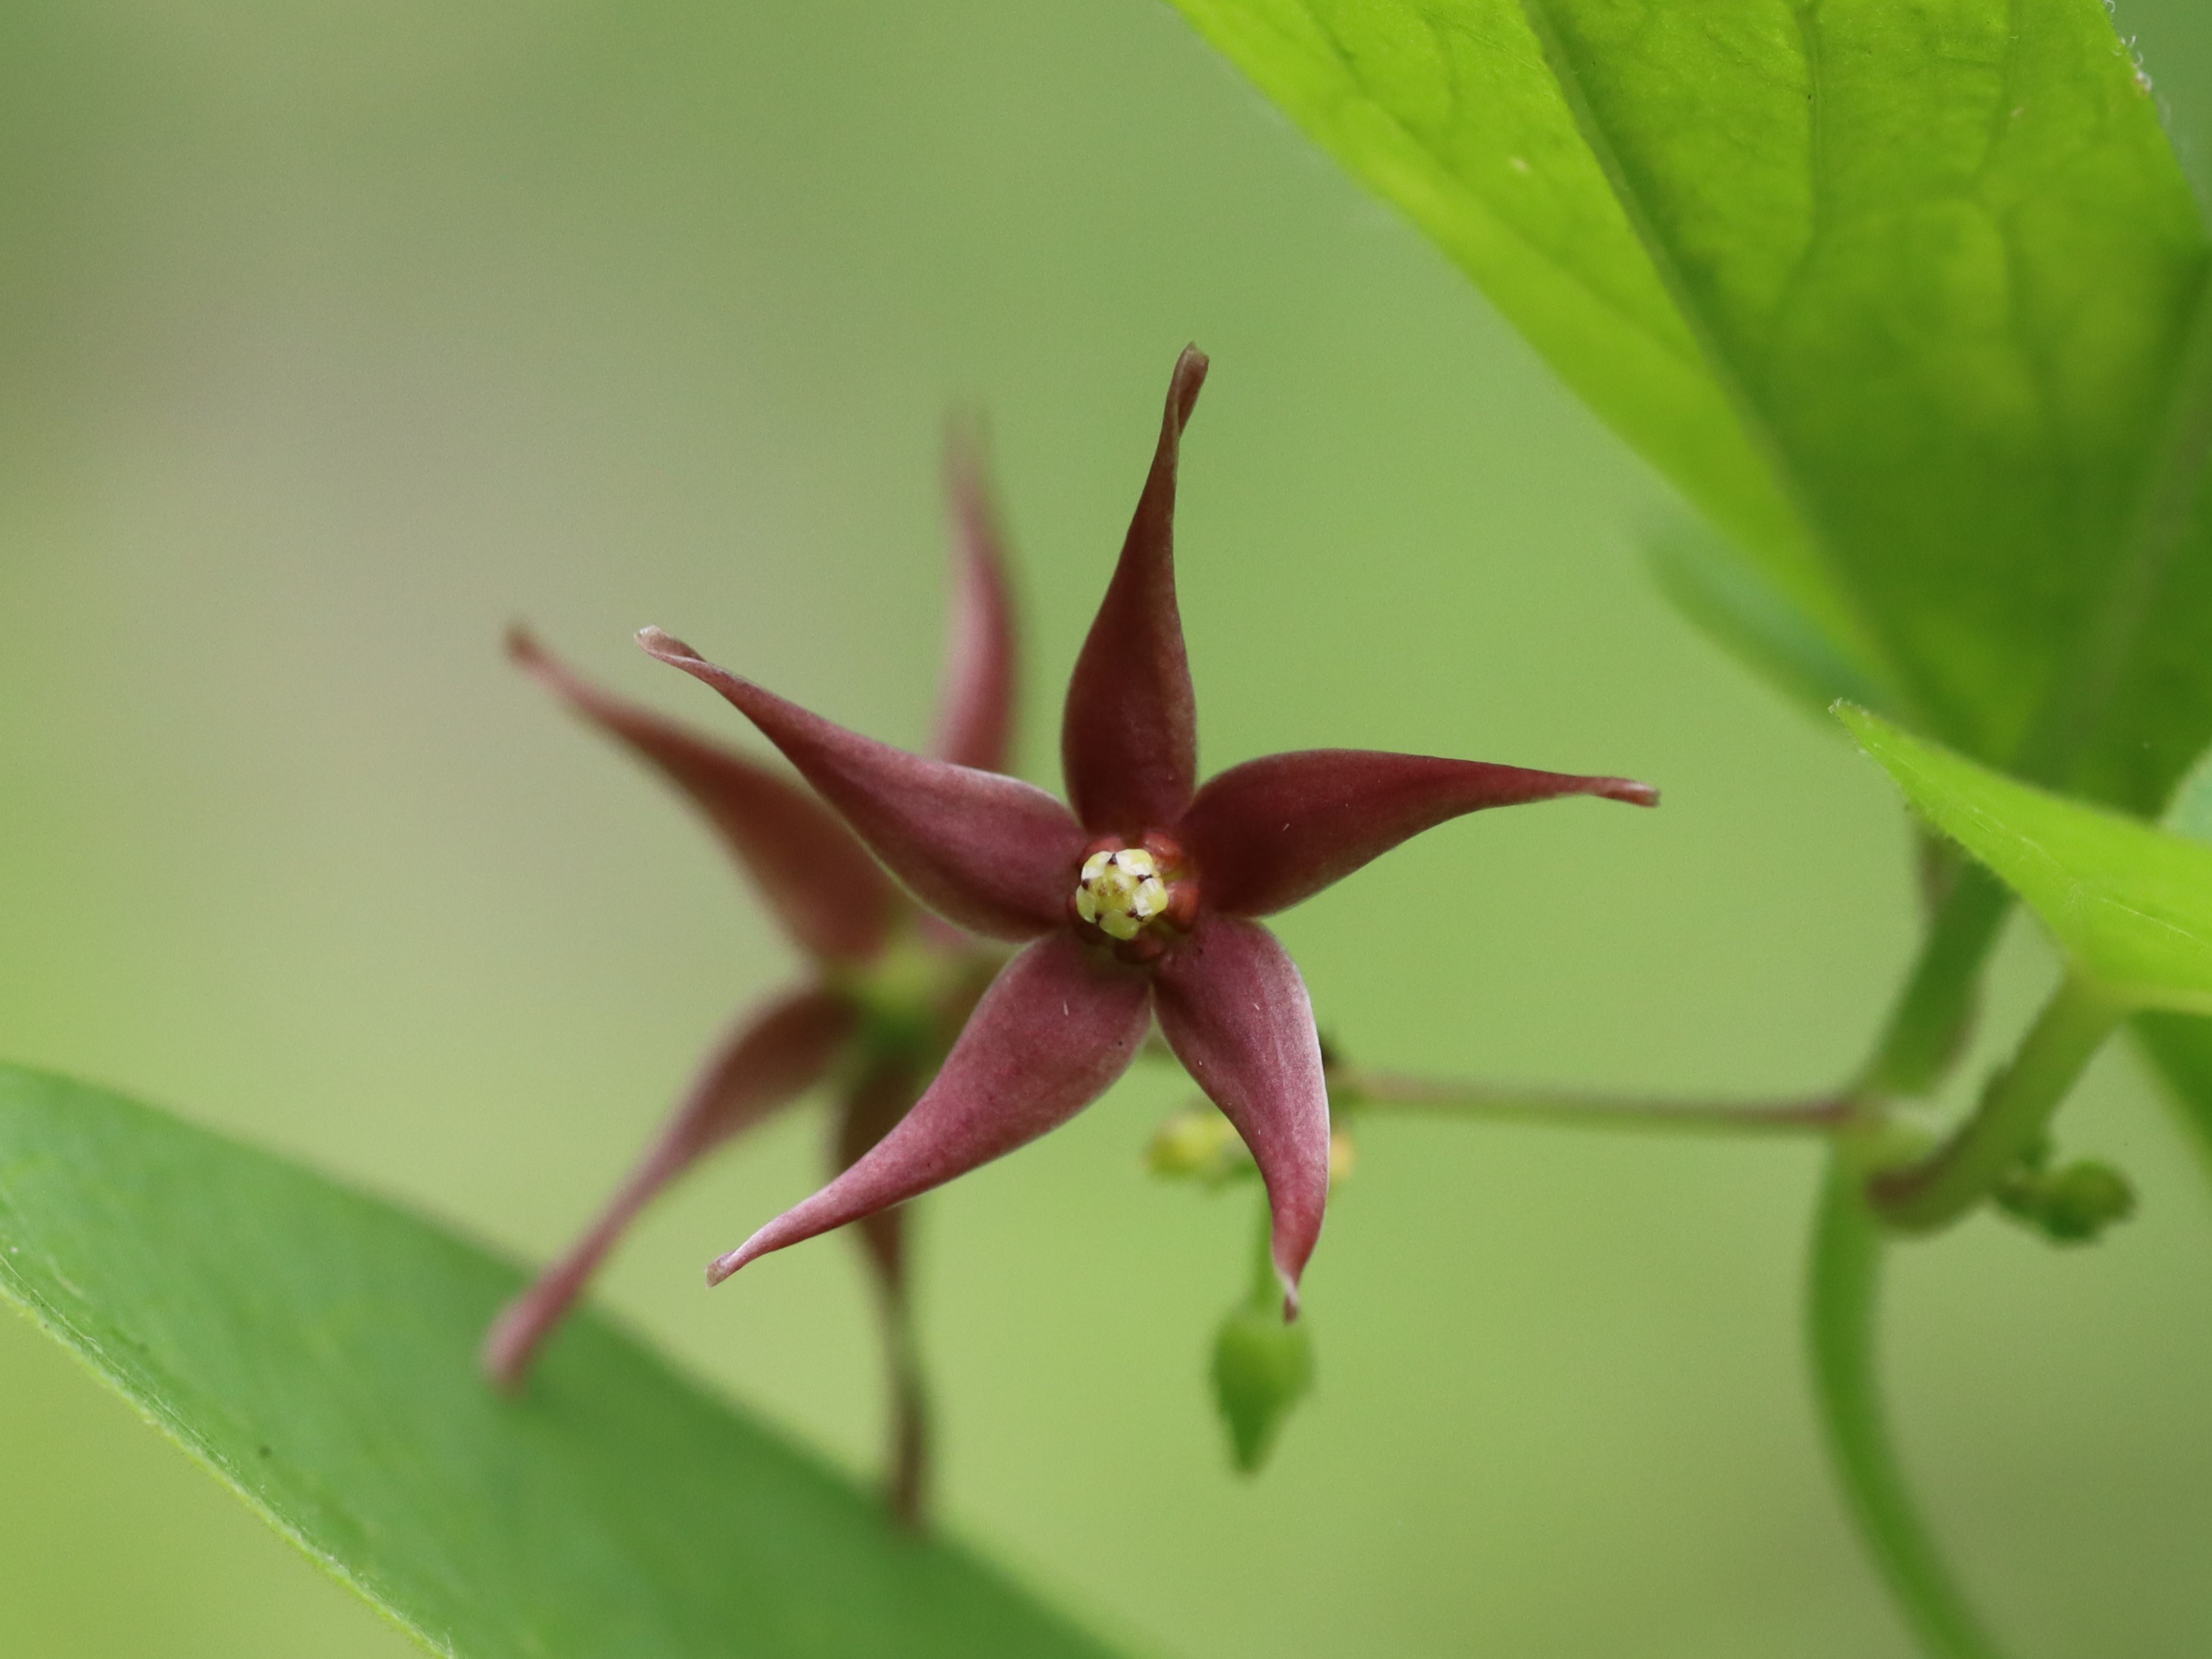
<point>1142,903</point>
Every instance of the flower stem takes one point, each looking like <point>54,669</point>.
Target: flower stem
<point>2015,1109</point>
<point>1844,1292</point>
<point>1358,1090</point>
<point>1929,1022</point>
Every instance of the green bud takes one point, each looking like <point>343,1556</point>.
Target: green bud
<point>2072,1205</point>
<point>1262,1367</point>
<point>1197,1143</point>
<point>2084,1199</point>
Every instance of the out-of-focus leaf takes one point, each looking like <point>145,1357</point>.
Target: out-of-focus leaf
<point>1734,603</point>
<point>1901,293</point>
<point>316,1349</point>
<point>2189,812</point>
<point>2130,904</point>
<point>2180,1045</point>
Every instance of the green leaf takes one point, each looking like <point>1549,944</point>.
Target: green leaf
<point>1903,293</point>
<point>1843,1303</point>
<point>316,1350</point>
<point>2180,1045</point>
<point>1732,601</point>
<point>2130,904</point>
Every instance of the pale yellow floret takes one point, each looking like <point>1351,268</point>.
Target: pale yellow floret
<point>1121,891</point>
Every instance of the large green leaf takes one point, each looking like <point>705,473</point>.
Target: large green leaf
<point>2130,904</point>
<point>1732,601</point>
<point>315,1349</point>
<point>1899,292</point>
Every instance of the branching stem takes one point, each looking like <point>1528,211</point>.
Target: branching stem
<point>2014,1111</point>
<point>1928,1025</point>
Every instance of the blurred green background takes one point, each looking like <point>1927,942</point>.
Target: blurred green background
<point>331,338</point>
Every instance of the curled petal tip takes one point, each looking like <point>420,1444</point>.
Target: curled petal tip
<point>723,1266</point>
<point>1190,375</point>
<point>666,647</point>
<point>1290,1297</point>
<point>1627,789</point>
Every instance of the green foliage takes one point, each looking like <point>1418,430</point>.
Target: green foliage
<point>316,1349</point>
<point>2130,904</point>
<point>1732,600</point>
<point>1902,294</point>
<point>2180,1045</point>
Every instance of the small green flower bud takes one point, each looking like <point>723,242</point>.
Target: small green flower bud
<point>2072,1205</point>
<point>1197,1143</point>
<point>2084,1199</point>
<point>1262,1367</point>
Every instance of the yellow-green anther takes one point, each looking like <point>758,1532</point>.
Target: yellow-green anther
<point>1121,891</point>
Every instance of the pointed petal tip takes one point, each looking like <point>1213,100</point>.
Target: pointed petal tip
<point>1290,1294</point>
<point>521,645</point>
<point>722,1267</point>
<point>1628,790</point>
<point>1190,375</point>
<point>666,647</point>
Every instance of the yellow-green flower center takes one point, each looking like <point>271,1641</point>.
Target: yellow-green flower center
<point>1121,891</point>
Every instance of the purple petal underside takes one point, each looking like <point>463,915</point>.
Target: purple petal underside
<point>871,1109</point>
<point>976,705</point>
<point>832,898</point>
<point>1128,743</point>
<point>769,1059</point>
<point>994,854</point>
<point>1058,1025</point>
<point>1279,828</point>
<point>1232,1006</point>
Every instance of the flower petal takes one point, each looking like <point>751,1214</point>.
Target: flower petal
<point>1232,1006</point>
<point>768,1060</point>
<point>976,705</point>
<point>1279,828</point>
<point>1128,741</point>
<point>993,854</point>
<point>1058,1025</point>
<point>831,897</point>
<point>871,1110</point>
